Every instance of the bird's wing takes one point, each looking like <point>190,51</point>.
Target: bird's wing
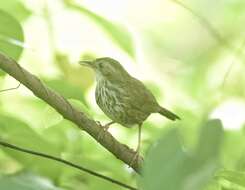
<point>139,96</point>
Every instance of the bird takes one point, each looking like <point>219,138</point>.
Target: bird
<point>123,98</point>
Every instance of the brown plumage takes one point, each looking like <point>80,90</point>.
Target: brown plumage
<point>123,98</point>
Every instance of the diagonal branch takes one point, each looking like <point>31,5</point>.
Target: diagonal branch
<point>61,105</point>
<point>47,156</point>
<point>213,32</point>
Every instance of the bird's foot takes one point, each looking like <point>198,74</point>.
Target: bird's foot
<point>99,123</point>
<point>137,152</point>
<point>105,128</point>
<point>135,158</point>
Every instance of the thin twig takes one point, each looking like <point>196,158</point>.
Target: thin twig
<point>39,154</point>
<point>204,22</point>
<point>8,89</point>
<point>239,50</point>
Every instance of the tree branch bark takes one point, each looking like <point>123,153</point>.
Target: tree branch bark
<point>50,157</point>
<point>61,105</point>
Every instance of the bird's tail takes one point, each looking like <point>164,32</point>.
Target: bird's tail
<point>168,114</point>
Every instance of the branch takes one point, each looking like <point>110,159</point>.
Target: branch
<point>209,27</point>
<point>39,154</point>
<point>8,89</point>
<point>239,50</point>
<point>61,105</point>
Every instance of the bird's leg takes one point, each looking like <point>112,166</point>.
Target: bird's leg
<point>105,127</point>
<point>138,146</point>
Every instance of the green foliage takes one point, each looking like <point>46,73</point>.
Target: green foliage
<point>80,106</point>
<point>16,8</point>
<point>26,181</point>
<point>187,67</point>
<point>169,166</point>
<point>65,88</point>
<point>234,177</point>
<point>71,76</point>
<point>19,133</point>
<point>50,117</point>
<point>11,36</point>
<point>121,36</point>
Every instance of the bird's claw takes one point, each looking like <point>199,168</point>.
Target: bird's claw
<point>99,123</point>
<point>135,158</point>
<point>105,128</point>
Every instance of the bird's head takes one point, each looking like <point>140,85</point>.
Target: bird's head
<point>106,68</point>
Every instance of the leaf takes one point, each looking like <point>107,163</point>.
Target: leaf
<point>78,77</point>
<point>80,106</point>
<point>11,36</point>
<point>163,164</point>
<point>169,166</point>
<point>19,133</point>
<point>51,117</point>
<point>65,88</point>
<point>211,138</point>
<point>26,181</point>
<point>16,9</point>
<point>119,34</point>
<point>205,160</point>
<point>235,177</point>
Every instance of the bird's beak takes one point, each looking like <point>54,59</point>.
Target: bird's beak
<point>87,63</point>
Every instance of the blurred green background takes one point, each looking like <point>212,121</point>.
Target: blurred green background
<point>191,57</point>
